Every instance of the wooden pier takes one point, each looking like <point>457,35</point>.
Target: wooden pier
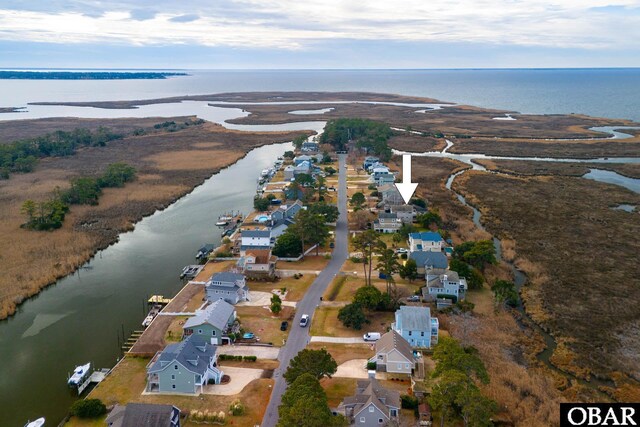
<point>95,378</point>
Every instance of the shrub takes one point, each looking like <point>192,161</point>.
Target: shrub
<point>236,408</point>
<point>249,358</point>
<point>408,402</point>
<point>371,366</point>
<point>224,254</point>
<point>88,408</point>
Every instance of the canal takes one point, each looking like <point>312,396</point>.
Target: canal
<point>78,319</point>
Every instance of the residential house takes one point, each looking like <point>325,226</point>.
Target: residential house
<point>375,165</point>
<point>287,211</point>
<point>231,287</point>
<point>302,167</point>
<point>257,263</point>
<point>372,405</point>
<point>289,174</point>
<point>393,354</point>
<point>184,367</point>
<point>387,223</point>
<point>406,213</point>
<point>369,161</point>
<point>378,170</point>
<point>312,146</point>
<point>212,323</point>
<point>448,283</point>
<point>143,415</point>
<point>426,241</point>
<point>254,239</point>
<point>390,195</point>
<point>430,262</point>
<point>303,158</point>
<point>278,228</point>
<point>416,325</point>
<point>384,178</point>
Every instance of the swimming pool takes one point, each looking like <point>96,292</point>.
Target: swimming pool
<point>262,218</point>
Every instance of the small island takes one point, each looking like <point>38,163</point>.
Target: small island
<point>86,75</point>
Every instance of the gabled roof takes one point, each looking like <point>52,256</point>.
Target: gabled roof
<point>255,233</point>
<point>402,208</point>
<point>227,276</point>
<point>413,318</point>
<point>387,187</point>
<point>289,168</point>
<point>387,215</point>
<point>369,392</point>
<point>262,255</point>
<point>427,236</point>
<point>194,354</point>
<point>430,259</point>
<point>141,415</point>
<point>393,340</point>
<point>216,315</point>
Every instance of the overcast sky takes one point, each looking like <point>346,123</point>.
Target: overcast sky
<point>319,34</point>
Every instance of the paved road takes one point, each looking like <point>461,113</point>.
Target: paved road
<point>340,340</point>
<point>299,337</point>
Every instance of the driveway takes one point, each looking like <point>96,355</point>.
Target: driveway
<point>240,377</point>
<point>298,337</point>
<point>340,340</point>
<point>262,299</point>
<point>250,350</point>
<point>355,368</point>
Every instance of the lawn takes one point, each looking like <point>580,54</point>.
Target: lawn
<point>127,381</point>
<point>174,332</point>
<point>264,324</point>
<point>310,262</point>
<point>345,352</point>
<point>213,267</point>
<point>296,288</point>
<point>343,288</point>
<point>337,389</point>
<point>325,323</point>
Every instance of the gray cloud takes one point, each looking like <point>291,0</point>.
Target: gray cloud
<point>142,14</point>
<point>185,18</point>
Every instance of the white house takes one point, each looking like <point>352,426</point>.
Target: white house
<point>448,283</point>
<point>387,223</point>
<point>425,241</point>
<point>254,239</point>
<point>231,287</point>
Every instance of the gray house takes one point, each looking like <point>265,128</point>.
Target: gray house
<point>144,415</point>
<point>372,405</point>
<point>286,211</point>
<point>289,172</point>
<point>394,354</point>
<point>231,287</point>
<point>212,323</point>
<point>184,367</point>
<point>430,262</point>
<point>387,223</point>
<point>406,213</point>
<point>446,283</point>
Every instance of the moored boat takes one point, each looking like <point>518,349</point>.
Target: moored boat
<point>35,423</point>
<point>80,374</point>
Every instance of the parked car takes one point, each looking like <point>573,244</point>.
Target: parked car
<point>284,325</point>
<point>332,245</point>
<point>371,336</point>
<point>414,298</point>
<point>304,320</point>
<point>402,251</point>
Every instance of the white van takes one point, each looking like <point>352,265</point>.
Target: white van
<point>304,320</point>
<point>371,336</point>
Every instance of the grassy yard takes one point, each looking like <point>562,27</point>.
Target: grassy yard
<point>174,332</point>
<point>264,324</point>
<point>325,323</point>
<point>296,288</point>
<point>337,389</point>
<point>310,262</point>
<point>196,302</point>
<point>213,267</point>
<point>127,382</point>
<point>266,364</point>
<point>345,352</point>
<point>343,288</point>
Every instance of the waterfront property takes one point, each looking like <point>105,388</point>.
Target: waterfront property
<point>447,283</point>
<point>416,325</point>
<point>393,354</point>
<point>390,195</point>
<point>257,263</point>
<point>231,287</point>
<point>254,239</point>
<point>287,211</point>
<point>387,223</point>
<point>143,415</point>
<point>184,367</point>
<point>369,161</point>
<point>430,262</point>
<point>372,405</point>
<point>310,146</point>
<point>211,324</point>
<point>426,241</point>
<point>384,178</point>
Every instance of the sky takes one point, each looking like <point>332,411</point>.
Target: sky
<point>223,34</point>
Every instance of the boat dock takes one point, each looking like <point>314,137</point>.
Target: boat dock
<point>159,299</point>
<point>231,226</point>
<point>96,377</point>
<point>191,271</point>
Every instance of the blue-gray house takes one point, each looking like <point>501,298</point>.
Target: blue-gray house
<point>212,323</point>
<point>184,367</point>
<point>430,262</point>
<point>416,325</point>
<point>231,287</point>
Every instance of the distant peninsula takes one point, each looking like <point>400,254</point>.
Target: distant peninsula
<point>85,75</point>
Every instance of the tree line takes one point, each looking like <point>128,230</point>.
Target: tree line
<point>49,214</point>
<point>368,134</point>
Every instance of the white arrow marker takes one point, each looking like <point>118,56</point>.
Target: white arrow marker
<point>407,188</point>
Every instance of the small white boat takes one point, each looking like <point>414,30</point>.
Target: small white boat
<point>221,223</point>
<point>80,374</point>
<point>147,321</point>
<point>37,423</point>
